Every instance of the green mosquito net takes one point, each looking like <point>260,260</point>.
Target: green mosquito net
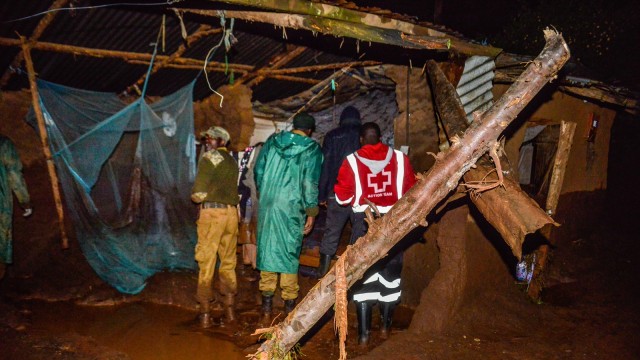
<point>126,172</point>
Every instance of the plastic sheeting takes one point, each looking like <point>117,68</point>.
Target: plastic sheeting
<point>126,172</point>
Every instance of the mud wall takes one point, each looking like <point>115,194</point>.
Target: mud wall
<point>415,126</point>
<point>235,115</point>
<point>38,260</point>
<point>582,195</point>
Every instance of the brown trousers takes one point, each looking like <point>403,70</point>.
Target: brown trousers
<point>217,238</point>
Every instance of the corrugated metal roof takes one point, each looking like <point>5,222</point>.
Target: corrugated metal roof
<point>474,87</point>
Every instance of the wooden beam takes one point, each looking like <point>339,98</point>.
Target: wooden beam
<point>37,32</point>
<point>124,55</point>
<point>293,79</point>
<point>44,140</point>
<point>202,32</point>
<point>334,27</point>
<point>277,62</point>
<point>366,20</point>
<point>567,130</point>
<point>311,68</point>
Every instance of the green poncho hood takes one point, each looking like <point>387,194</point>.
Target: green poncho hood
<point>289,144</point>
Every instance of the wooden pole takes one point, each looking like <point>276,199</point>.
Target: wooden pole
<point>334,66</point>
<point>37,32</point>
<point>364,20</point>
<point>202,32</point>
<point>124,55</point>
<point>278,62</point>
<point>334,27</point>
<point>44,139</point>
<point>412,209</point>
<point>567,130</point>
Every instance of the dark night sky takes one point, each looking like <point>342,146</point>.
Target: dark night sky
<point>604,35</point>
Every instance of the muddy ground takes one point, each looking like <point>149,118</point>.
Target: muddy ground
<point>53,306</point>
<point>588,311</point>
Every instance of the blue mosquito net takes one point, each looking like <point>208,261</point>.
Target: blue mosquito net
<point>126,172</point>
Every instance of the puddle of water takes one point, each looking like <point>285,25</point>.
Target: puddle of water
<point>142,331</point>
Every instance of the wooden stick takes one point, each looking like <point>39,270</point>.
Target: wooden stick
<point>37,32</point>
<point>567,130</point>
<point>124,55</point>
<point>202,32</point>
<point>44,139</point>
<point>278,62</point>
<point>351,64</point>
<point>412,209</point>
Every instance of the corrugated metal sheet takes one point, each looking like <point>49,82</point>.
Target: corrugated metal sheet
<point>474,87</point>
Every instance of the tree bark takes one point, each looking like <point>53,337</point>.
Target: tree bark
<point>334,27</point>
<point>507,208</point>
<point>367,20</point>
<point>412,209</point>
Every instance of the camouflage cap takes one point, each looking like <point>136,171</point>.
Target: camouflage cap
<point>216,132</point>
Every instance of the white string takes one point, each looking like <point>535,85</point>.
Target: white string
<point>168,2</point>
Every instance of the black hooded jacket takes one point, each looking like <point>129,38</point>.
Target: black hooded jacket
<point>338,143</point>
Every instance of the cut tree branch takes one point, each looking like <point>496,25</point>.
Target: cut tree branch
<point>412,209</point>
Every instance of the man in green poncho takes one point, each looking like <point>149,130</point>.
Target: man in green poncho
<point>11,180</point>
<point>287,173</point>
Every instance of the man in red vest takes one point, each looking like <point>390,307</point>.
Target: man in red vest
<point>381,175</point>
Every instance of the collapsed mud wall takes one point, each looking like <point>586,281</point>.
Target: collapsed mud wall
<point>582,196</point>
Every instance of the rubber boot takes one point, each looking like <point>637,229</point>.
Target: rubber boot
<point>229,308</point>
<point>289,305</point>
<point>386,318</point>
<point>325,264</point>
<point>363,311</point>
<point>267,308</point>
<point>205,319</point>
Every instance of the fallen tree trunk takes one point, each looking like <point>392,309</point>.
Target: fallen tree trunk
<point>507,208</point>
<point>412,209</point>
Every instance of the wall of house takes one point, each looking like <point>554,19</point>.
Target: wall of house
<point>583,190</point>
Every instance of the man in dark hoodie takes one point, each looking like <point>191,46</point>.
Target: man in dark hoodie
<point>338,143</point>
<point>286,175</point>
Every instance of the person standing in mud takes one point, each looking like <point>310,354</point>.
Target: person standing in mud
<point>379,175</point>
<point>286,176</point>
<point>338,143</point>
<point>216,190</point>
<point>11,181</point>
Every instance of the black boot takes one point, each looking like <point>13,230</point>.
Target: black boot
<point>325,264</point>
<point>267,307</point>
<point>289,305</point>
<point>386,318</point>
<point>363,311</point>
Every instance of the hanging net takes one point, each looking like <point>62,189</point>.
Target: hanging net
<point>126,172</point>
